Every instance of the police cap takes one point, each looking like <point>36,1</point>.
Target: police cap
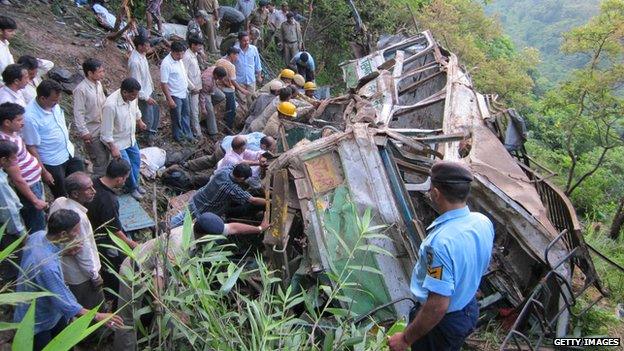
<point>450,173</point>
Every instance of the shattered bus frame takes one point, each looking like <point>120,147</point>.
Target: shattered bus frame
<point>411,104</point>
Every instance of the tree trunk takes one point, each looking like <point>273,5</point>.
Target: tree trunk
<point>618,221</point>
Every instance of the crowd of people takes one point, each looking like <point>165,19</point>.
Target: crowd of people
<point>65,242</point>
<point>68,241</point>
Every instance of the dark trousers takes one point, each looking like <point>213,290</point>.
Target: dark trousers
<point>43,338</point>
<point>230,108</point>
<point>8,266</point>
<point>307,73</point>
<point>111,281</point>
<point>180,120</point>
<point>450,333</point>
<point>34,219</point>
<point>60,172</point>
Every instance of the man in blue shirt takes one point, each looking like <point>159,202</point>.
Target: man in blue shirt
<point>248,66</point>
<point>47,138</point>
<point>41,271</point>
<point>452,260</point>
<point>304,64</point>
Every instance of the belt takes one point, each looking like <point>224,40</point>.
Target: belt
<point>292,42</point>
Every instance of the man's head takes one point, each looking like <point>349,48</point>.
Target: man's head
<point>30,63</point>
<point>284,94</point>
<point>271,7</point>
<point>285,7</point>
<point>287,110</point>
<point>275,86</point>
<point>310,89</point>
<point>15,76</point>
<point>7,28</point>
<point>64,230</point>
<point>299,81</point>
<point>287,75</point>
<point>239,144</point>
<point>294,91</point>
<point>241,173</point>
<point>130,88</point>
<point>450,185</point>
<point>80,187</point>
<point>290,17</point>
<point>49,94</point>
<point>243,40</point>
<point>11,117</point>
<point>141,43</point>
<point>8,153</point>
<point>219,73</point>
<point>201,17</point>
<point>304,57</point>
<point>93,69</point>
<point>117,172</point>
<point>267,143</point>
<point>177,50</point>
<point>195,44</point>
<point>232,54</point>
<point>208,223</point>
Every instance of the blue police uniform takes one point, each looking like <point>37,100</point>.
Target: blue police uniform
<point>452,260</point>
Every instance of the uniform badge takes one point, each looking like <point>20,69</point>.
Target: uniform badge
<point>434,272</point>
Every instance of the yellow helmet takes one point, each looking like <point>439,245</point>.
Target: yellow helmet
<point>309,86</point>
<point>299,80</point>
<point>287,73</point>
<point>287,108</point>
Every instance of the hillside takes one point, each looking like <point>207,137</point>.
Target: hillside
<point>540,24</point>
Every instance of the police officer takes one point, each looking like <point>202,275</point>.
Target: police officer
<point>452,260</point>
<point>291,39</point>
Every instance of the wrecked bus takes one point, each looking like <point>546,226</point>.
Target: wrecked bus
<point>409,105</point>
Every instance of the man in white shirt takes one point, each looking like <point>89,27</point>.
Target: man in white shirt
<point>120,117</point>
<point>82,270</point>
<point>7,31</point>
<point>174,83</point>
<point>37,68</point>
<point>16,78</point>
<point>88,102</point>
<point>191,64</point>
<point>139,70</point>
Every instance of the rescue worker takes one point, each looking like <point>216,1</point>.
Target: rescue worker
<point>194,27</point>
<point>233,18</point>
<point>299,82</point>
<point>211,7</point>
<point>285,78</point>
<point>304,65</point>
<point>309,89</point>
<point>453,258</point>
<point>291,40</point>
<point>286,110</point>
<point>258,21</point>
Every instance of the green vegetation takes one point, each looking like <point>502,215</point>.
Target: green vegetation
<point>541,24</point>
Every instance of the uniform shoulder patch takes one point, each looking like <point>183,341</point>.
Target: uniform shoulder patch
<point>434,272</point>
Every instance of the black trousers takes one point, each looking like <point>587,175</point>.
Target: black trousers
<point>43,338</point>
<point>60,172</point>
<point>450,333</point>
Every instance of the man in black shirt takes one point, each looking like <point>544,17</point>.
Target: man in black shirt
<point>103,213</point>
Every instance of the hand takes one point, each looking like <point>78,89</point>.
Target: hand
<point>40,205</point>
<point>47,177</point>
<point>265,224</point>
<point>97,281</point>
<point>280,47</point>
<point>141,125</point>
<point>86,138</point>
<point>259,78</point>
<point>115,153</point>
<point>151,101</point>
<point>115,322</point>
<point>397,342</point>
<point>171,103</point>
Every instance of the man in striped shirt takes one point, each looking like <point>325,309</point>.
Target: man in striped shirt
<point>26,173</point>
<point>224,189</point>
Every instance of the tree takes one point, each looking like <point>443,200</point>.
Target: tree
<point>588,106</point>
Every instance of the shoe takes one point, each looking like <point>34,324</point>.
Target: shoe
<point>137,195</point>
<point>141,190</point>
